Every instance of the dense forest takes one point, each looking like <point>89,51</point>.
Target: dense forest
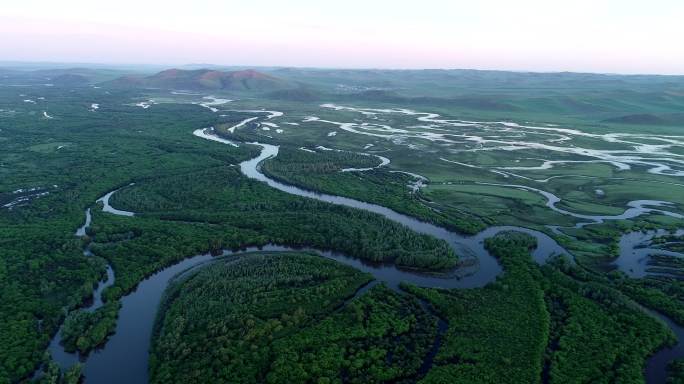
<point>254,214</point>
<point>290,315</point>
<point>283,318</point>
<point>293,316</point>
<point>43,272</point>
<point>322,171</point>
<point>73,159</point>
<point>541,324</point>
<point>82,330</point>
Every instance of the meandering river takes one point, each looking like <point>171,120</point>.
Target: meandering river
<point>124,358</point>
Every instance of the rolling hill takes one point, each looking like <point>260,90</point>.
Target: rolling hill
<point>648,119</point>
<point>205,79</point>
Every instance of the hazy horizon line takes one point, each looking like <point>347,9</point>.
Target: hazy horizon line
<point>130,65</point>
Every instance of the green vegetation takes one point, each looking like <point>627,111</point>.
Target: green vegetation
<point>556,323</point>
<point>53,375</point>
<point>204,79</point>
<point>321,171</point>
<point>553,324</point>
<point>495,205</point>
<point>599,326</point>
<point>82,331</point>
<point>42,268</point>
<point>676,372</point>
<point>538,323</point>
<point>497,333</point>
<point>454,197</point>
<point>582,97</point>
<point>217,208</point>
<point>282,318</point>
<point>380,337</point>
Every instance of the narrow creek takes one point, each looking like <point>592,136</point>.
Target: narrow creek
<point>124,358</point>
<point>636,249</point>
<point>656,366</point>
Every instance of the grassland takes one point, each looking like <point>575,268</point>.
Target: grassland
<point>57,156</point>
<point>457,172</point>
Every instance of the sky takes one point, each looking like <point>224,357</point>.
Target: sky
<point>607,36</point>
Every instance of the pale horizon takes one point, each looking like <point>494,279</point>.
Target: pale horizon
<point>613,37</point>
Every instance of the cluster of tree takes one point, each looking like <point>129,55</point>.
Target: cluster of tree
<point>42,270</point>
<point>379,337</point>
<point>675,245</point>
<point>497,333</point>
<point>295,163</point>
<point>676,372</point>
<point>320,171</point>
<point>282,318</point>
<point>541,324</point>
<point>598,326</point>
<point>252,213</point>
<point>533,322</point>
<point>82,330</point>
<point>52,374</point>
<point>663,294</point>
<point>671,264</point>
<point>75,157</point>
<point>595,246</point>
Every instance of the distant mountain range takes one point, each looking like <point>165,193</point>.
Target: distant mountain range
<point>637,100</point>
<point>649,119</point>
<point>66,77</point>
<point>205,79</point>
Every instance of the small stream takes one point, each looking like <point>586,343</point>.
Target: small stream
<point>636,250</point>
<point>129,345</point>
<point>63,358</point>
<point>656,366</point>
<point>478,274</point>
<point>124,358</point>
<point>108,208</point>
<point>636,207</point>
